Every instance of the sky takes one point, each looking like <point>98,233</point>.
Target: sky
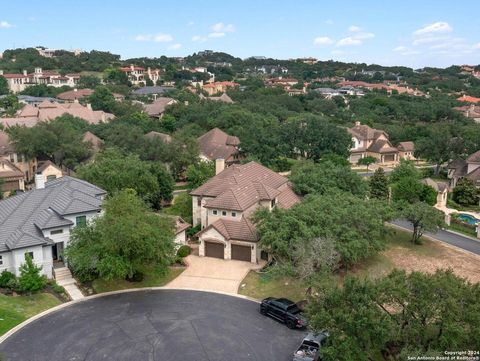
<point>413,33</point>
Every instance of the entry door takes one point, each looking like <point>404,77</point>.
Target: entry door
<point>54,252</point>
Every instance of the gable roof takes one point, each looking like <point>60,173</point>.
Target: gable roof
<point>242,230</point>
<point>364,132</point>
<point>75,94</point>
<point>166,138</point>
<point>44,165</point>
<point>158,106</point>
<point>89,137</point>
<point>216,144</point>
<point>474,158</point>
<point>22,217</point>
<point>9,171</point>
<point>406,146</point>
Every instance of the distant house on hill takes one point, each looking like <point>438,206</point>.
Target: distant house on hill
<point>471,111</point>
<point>216,144</point>
<point>76,95</point>
<point>218,87</point>
<point>14,162</point>
<point>468,99</point>
<point>224,98</point>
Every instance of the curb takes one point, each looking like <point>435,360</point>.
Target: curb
<point>448,245</point>
<point>130,290</point>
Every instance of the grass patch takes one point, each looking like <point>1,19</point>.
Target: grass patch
<point>152,278</point>
<point>15,310</point>
<point>261,285</point>
<point>464,229</point>
<point>182,207</point>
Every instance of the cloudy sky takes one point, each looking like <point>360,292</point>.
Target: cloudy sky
<point>395,32</point>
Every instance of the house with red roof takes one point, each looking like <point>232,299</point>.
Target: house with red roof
<point>137,75</point>
<point>468,99</point>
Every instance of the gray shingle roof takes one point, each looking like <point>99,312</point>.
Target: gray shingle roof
<point>147,90</point>
<point>23,216</point>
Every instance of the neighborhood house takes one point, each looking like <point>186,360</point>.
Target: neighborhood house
<point>217,144</point>
<point>38,222</point>
<point>224,204</point>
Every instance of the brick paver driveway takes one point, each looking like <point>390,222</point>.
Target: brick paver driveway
<point>212,274</point>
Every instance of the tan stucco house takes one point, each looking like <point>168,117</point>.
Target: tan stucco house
<point>223,207</point>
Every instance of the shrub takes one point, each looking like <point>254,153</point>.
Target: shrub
<point>30,279</point>
<point>6,279</point>
<point>184,251</point>
<point>58,289</point>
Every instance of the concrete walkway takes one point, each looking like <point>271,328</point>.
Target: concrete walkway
<point>64,278</point>
<point>212,274</point>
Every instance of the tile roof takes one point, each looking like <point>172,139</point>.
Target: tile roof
<point>474,176</point>
<point>158,106</point>
<point>474,158</point>
<point>93,139</point>
<point>364,132</point>
<point>406,146</point>
<point>23,216</point>
<point>166,138</point>
<point>181,225</point>
<point>468,99</point>
<point>217,144</point>
<point>242,230</point>
<point>75,94</point>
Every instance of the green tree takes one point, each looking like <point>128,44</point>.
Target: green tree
<point>113,172</point>
<point>30,279</point>
<point>59,140</point>
<point>125,238</point>
<point>423,218</point>
<point>102,99</point>
<point>88,81</point>
<point>116,76</point>
<point>3,86</point>
<point>440,145</point>
<point>321,178</point>
<point>397,316</point>
<point>379,185</point>
<point>355,225</point>
<point>199,173</point>
<point>465,192</point>
<point>10,105</point>
<point>367,161</point>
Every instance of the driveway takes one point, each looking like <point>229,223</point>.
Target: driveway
<point>212,274</point>
<point>167,325</point>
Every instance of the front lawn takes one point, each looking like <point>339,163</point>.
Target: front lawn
<point>152,278</point>
<point>15,310</point>
<point>261,285</point>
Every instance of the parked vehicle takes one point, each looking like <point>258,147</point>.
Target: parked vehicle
<point>283,310</point>
<point>309,349</point>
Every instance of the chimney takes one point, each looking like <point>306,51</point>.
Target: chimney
<point>219,165</point>
<point>89,106</point>
<point>39,181</point>
<point>357,123</point>
<point>75,89</point>
<point>24,72</point>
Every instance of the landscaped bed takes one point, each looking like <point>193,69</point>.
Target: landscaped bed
<point>151,278</point>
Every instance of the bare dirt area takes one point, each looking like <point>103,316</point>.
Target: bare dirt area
<point>439,255</point>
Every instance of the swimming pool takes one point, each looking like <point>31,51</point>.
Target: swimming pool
<point>467,218</point>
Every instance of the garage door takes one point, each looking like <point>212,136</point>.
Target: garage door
<point>214,250</point>
<point>241,253</point>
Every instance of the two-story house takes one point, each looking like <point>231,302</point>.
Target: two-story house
<point>367,141</point>
<point>223,207</point>
<point>469,168</point>
<point>39,222</point>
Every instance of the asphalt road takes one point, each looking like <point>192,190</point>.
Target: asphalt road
<point>162,325</point>
<point>448,237</point>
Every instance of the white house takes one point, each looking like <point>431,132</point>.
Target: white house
<point>38,222</point>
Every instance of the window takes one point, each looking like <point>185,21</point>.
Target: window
<point>57,231</point>
<point>234,214</point>
<point>224,213</point>
<point>29,254</point>
<point>81,221</point>
<point>199,201</point>
<point>1,260</point>
<point>273,202</point>
<point>215,212</point>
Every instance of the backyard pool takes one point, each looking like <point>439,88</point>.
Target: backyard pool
<point>467,218</point>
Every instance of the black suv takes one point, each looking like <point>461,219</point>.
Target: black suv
<point>283,310</point>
